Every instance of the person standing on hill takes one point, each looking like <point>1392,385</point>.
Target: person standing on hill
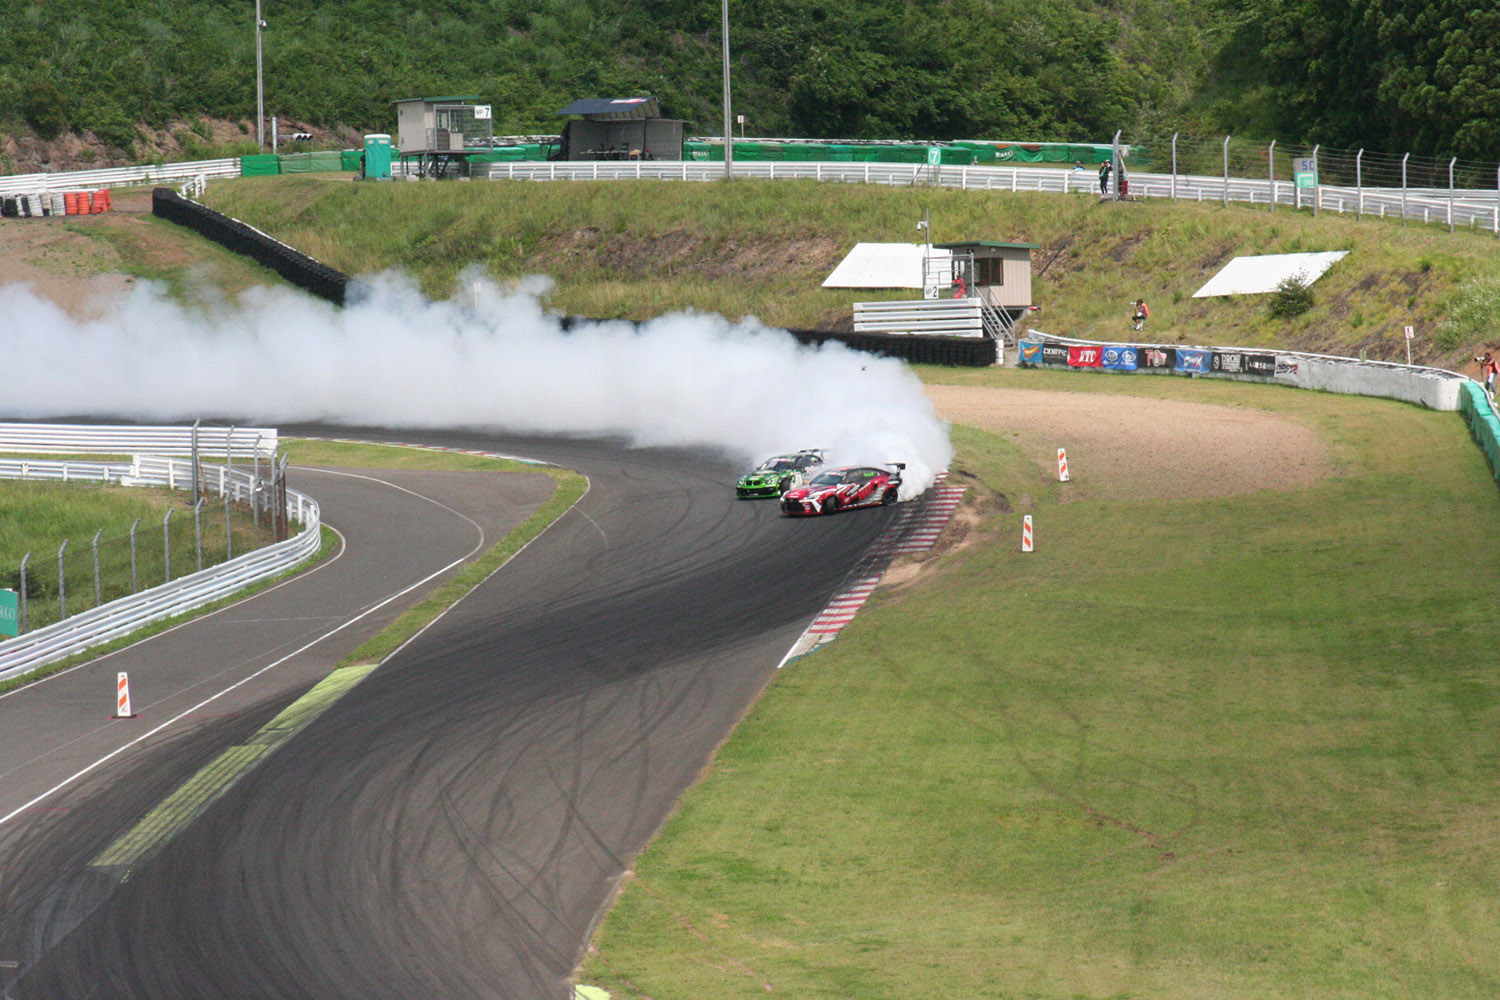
<point>1104,171</point>
<point>1139,313</point>
<point>1488,367</point>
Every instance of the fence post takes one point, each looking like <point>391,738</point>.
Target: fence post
<point>1114,166</point>
<point>1271,172</point>
<point>166,544</point>
<point>133,586</point>
<point>24,560</point>
<point>1317,182</point>
<point>1450,192</point>
<point>196,481</point>
<point>228,493</point>
<point>98,591</point>
<point>255,477</point>
<point>1226,171</point>
<point>1174,166</point>
<point>1359,185</point>
<point>1403,187</point>
<point>198,528</point>
<point>62,583</point>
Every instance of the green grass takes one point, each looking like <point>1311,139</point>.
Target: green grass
<point>638,249</point>
<point>1188,748</point>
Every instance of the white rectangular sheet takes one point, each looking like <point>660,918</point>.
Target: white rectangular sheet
<point>1255,275</point>
<point>881,265</point>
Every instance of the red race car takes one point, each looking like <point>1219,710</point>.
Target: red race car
<point>833,490</point>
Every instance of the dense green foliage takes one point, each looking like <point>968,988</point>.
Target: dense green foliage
<point>1378,73</point>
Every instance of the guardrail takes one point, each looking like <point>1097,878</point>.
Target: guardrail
<point>109,621</point>
<point>1476,208</point>
<point>118,176</point>
<point>88,439</point>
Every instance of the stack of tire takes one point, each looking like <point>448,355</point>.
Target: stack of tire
<point>29,206</point>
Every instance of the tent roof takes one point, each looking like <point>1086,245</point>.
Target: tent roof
<point>988,243</point>
<point>614,107</point>
<point>439,100</point>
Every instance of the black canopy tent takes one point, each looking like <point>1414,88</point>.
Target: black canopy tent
<point>619,128</point>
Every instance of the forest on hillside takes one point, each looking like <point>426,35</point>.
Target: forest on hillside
<point>1383,74</point>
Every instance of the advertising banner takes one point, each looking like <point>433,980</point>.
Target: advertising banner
<point>1261,364</point>
<point>1121,358</point>
<point>1080,356</point>
<point>1229,362</point>
<point>1031,351</point>
<point>1157,357</point>
<point>1054,354</point>
<point>10,623</point>
<point>1193,362</point>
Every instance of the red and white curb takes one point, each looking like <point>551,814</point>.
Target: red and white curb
<point>915,528</point>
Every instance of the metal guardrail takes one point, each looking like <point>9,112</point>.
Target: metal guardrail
<point>1478,208</point>
<point>117,176</point>
<point>88,439</point>
<point>25,653</point>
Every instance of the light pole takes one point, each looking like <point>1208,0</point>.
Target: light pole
<point>728,132</point>
<point>260,91</point>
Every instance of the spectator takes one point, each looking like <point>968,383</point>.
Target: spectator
<point>1139,313</point>
<point>1104,170</point>
<point>1487,368</point>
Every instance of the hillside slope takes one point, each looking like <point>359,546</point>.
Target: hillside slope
<point>763,248</point>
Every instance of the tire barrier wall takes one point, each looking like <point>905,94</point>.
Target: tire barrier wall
<point>969,352</point>
<point>48,203</point>
<point>1433,388</point>
<point>292,264</point>
<point>1479,412</point>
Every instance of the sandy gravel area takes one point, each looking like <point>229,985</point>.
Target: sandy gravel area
<point>1127,447</point>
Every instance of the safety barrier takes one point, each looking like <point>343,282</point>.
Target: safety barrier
<point>117,618</point>
<point>970,352</point>
<point>1479,412</point>
<point>289,262</point>
<point>80,439</point>
<point>935,317</point>
<point>1434,388</point>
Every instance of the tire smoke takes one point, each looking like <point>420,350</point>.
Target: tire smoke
<point>485,359</point>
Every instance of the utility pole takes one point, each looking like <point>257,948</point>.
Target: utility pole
<point>728,131</point>
<point>260,91</point>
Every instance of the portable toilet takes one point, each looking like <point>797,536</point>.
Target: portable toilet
<point>377,157</point>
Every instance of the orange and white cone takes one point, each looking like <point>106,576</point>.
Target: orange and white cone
<point>1062,466</point>
<point>122,696</point>
<point>1026,545</point>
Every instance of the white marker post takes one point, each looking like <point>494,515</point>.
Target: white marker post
<point>1026,545</point>
<point>1062,466</point>
<point>122,696</point>
<point>1411,332</point>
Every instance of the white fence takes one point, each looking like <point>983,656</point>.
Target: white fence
<point>123,616</point>
<point>1476,208</point>
<point>932,317</point>
<point>76,180</point>
<point>89,439</point>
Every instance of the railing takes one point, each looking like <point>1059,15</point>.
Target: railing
<point>89,439</point>
<point>127,614</point>
<point>1474,207</point>
<point>117,176</point>
<point>934,317</point>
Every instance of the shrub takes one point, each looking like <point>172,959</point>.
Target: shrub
<point>1293,297</point>
<point>1473,315</point>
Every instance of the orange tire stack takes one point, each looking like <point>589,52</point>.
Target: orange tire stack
<point>101,201</point>
<point>70,202</point>
<point>85,203</point>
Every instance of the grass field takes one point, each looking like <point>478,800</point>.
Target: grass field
<point>1243,747</point>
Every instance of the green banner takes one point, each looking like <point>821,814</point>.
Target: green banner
<point>10,622</point>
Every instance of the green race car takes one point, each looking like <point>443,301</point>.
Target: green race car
<point>778,474</point>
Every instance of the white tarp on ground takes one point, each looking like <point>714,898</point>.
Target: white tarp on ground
<point>881,265</point>
<point>1254,275</point>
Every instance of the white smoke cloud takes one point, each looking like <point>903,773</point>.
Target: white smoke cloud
<point>487,358</point>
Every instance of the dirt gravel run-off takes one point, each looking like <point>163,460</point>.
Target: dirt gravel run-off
<point>1129,447</point>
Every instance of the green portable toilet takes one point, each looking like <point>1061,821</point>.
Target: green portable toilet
<point>377,157</point>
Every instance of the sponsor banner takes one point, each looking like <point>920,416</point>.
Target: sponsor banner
<point>1121,358</point>
<point>1157,357</point>
<point>1285,367</point>
<point>1228,362</point>
<point>1195,362</point>
<point>1261,364</point>
<point>1085,357</point>
<point>1031,352</point>
<point>1054,354</point>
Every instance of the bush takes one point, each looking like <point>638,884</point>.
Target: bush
<point>1473,316</point>
<point>1292,297</point>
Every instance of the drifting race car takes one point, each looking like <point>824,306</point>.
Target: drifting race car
<point>833,490</point>
<point>778,474</point>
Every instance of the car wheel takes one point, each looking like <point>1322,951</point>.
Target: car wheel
<point>890,495</point>
<point>784,485</point>
<point>831,505</point>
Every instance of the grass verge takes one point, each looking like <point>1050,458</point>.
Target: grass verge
<point>1232,747</point>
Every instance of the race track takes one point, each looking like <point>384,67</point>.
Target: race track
<point>453,825</point>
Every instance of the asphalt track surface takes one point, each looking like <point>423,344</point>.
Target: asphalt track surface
<point>455,823</point>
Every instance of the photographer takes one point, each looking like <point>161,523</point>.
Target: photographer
<point>1487,368</point>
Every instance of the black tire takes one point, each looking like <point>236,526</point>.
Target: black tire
<point>831,505</point>
<point>890,496</point>
<point>784,485</point>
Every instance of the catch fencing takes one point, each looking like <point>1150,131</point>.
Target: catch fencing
<point>118,176</point>
<point>158,571</point>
